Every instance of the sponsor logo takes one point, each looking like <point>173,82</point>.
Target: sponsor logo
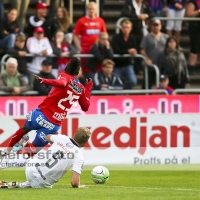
<point>69,145</point>
<point>59,116</point>
<point>92,32</point>
<point>94,23</point>
<point>28,116</point>
<point>63,147</point>
<point>43,136</point>
<point>44,123</point>
<point>75,87</point>
<point>158,136</point>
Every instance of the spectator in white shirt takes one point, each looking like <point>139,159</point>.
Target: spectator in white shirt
<point>40,47</point>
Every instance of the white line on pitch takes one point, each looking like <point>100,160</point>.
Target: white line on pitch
<point>132,187</point>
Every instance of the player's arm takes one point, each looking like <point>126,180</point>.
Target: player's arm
<point>77,169</point>
<point>75,180</point>
<point>60,82</point>
<point>84,100</point>
<point>50,138</point>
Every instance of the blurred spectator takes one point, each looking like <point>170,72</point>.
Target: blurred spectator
<point>39,46</point>
<point>53,5</point>
<point>87,30</point>
<point>193,10</point>
<point>39,20</point>
<point>101,51</point>
<point>172,63</point>
<point>138,11</point>
<point>8,28</point>
<point>164,84</point>
<point>124,43</point>
<point>176,8</point>
<point>44,89</point>
<point>101,5</point>
<point>1,10</point>
<point>19,51</point>
<point>158,6</point>
<point>11,80</point>
<point>62,49</point>
<point>21,6</point>
<point>152,46</point>
<point>62,22</point>
<point>105,79</point>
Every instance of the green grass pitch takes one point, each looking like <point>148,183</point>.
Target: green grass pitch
<point>126,182</point>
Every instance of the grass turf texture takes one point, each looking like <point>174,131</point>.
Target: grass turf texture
<point>126,182</point>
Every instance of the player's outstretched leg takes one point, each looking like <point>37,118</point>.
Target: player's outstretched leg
<point>4,184</point>
<point>15,138</point>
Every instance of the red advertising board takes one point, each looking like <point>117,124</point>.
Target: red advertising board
<point>19,106</point>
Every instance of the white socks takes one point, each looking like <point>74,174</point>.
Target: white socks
<point>25,185</point>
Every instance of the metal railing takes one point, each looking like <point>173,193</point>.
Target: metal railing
<point>92,56</point>
<point>183,91</point>
<point>118,92</point>
<point>31,93</point>
<point>99,92</point>
<point>106,92</point>
<point>119,21</point>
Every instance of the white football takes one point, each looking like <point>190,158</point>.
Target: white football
<point>100,174</point>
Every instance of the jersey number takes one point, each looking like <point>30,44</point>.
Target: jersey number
<point>70,98</point>
<point>54,160</point>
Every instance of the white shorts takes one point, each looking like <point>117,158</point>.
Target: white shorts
<point>174,24</point>
<point>32,177</point>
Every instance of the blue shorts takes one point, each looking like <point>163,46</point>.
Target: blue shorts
<point>35,120</point>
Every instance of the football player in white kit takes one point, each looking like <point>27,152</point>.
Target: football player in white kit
<point>63,154</point>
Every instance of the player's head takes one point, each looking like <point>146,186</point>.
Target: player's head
<point>82,136</point>
<point>73,67</point>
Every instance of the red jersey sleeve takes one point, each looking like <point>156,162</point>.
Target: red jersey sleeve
<point>103,26</point>
<point>60,82</point>
<point>84,100</point>
<point>78,27</point>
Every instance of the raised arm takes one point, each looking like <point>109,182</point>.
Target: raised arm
<point>84,100</point>
<point>60,82</point>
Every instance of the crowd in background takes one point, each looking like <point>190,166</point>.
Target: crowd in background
<point>50,32</point>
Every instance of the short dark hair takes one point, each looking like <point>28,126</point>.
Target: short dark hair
<point>46,62</point>
<point>163,77</point>
<point>73,66</point>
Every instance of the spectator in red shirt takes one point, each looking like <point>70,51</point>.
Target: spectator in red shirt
<point>62,49</point>
<point>164,82</point>
<point>87,30</point>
